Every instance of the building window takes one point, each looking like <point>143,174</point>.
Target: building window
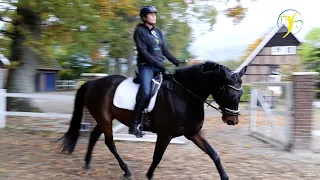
<point>272,79</point>
<point>283,50</point>
<point>292,49</point>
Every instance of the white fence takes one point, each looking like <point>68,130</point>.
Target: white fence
<point>66,84</point>
<point>4,112</point>
<point>116,136</point>
<point>271,116</point>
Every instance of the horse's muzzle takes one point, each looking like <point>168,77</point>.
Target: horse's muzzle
<point>230,120</point>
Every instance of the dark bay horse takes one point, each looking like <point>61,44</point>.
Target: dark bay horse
<point>179,110</point>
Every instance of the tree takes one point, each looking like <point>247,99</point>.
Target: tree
<point>36,28</point>
<point>237,13</point>
<point>251,48</point>
<point>309,51</point>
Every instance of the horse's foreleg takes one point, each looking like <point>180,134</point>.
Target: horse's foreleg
<point>200,140</point>
<point>95,134</point>
<point>161,145</point>
<point>110,144</point>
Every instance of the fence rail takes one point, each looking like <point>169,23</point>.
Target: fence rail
<point>269,130</point>
<point>66,84</point>
<point>84,125</point>
<point>37,96</point>
<point>4,112</point>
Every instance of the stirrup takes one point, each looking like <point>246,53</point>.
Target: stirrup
<point>140,127</point>
<point>137,132</point>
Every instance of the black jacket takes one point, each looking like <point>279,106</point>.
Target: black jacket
<point>151,47</point>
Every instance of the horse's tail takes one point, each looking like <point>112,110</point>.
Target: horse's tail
<point>70,138</point>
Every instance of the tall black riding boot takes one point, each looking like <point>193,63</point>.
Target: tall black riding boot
<point>137,113</point>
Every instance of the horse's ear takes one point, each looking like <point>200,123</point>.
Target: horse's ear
<point>243,71</point>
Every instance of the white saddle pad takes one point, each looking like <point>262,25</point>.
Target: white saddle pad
<point>126,92</point>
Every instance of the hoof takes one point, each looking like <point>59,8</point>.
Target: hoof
<point>225,178</point>
<point>86,167</point>
<point>126,177</point>
<point>149,177</point>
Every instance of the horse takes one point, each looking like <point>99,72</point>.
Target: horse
<point>178,110</point>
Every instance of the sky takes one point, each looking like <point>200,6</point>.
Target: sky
<point>228,41</point>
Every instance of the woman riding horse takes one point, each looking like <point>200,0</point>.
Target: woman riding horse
<point>151,49</point>
<point>178,110</point>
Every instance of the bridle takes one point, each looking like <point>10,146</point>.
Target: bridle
<point>222,110</point>
<point>230,111</point>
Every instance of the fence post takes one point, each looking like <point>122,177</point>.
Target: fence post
<point>3,110</point>
<point>253,109</point>
<point>304,95</point>
<point>289,101</point>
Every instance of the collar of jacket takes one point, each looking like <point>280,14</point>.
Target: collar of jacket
<point>152,28</point>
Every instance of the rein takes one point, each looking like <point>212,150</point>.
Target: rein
<point>228,111</point>
<point>209,103</point>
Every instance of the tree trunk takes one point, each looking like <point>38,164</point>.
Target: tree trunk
<point>22,78</point>
<point>130,64</point>
<point>118,67</point>
<point>107,67</point>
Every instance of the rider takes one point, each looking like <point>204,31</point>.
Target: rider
<point>151,49</point>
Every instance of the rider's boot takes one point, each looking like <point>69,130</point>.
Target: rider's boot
<point>137,114</point>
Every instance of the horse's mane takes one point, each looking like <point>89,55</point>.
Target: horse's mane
<point>196,76</point>
<point>201,68</point>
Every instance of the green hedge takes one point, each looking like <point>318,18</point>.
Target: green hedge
<point>246,92</point>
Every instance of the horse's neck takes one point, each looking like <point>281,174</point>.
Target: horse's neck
<point>194,82</point>
<point>199,79</point>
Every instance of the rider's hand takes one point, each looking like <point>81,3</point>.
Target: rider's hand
<point>167,73</point>
<point>176,63</point>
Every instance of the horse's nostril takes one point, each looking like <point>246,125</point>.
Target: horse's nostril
<point>229,122</point>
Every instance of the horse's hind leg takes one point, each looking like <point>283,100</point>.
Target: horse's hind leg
<point>95,134</point>
<point>200,140</point>
<point>107,130</point>
<point>104,121</point>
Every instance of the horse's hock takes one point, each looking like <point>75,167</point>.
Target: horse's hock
<point>304,85</point>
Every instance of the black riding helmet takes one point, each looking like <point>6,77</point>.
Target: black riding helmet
<point>147,9</point>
